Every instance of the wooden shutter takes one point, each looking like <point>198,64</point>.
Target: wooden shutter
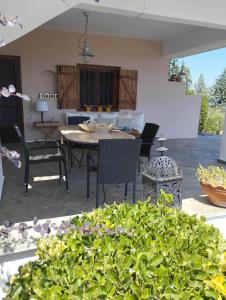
<point>68,95</point>
<point>128,89</point>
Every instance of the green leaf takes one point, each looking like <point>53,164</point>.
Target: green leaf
<point>145,294</point>
<point>112,276</point>
<point>128,296</point>
<point>156,260</point>
<point>211,293</point>
<point>136,289</point>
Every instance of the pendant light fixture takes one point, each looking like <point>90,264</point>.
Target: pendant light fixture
<point>86,53</point>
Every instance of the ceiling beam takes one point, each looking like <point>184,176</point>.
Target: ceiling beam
<point>196,41</point>
<point>193,12</point>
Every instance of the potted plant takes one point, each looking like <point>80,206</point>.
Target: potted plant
<point>88,108</point>
<point>213,183</point>
<point>100,108</point>
<point>108,108</point>
<point>173,77</point>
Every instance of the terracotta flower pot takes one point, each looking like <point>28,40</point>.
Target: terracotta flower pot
<point>216,195</point>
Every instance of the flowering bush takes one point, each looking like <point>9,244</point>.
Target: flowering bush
<point>5,92</point>
<point>140,251</point>
<point>12,155</point>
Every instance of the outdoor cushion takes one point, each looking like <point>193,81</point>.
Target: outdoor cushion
<point>70,114</point>
<point>92,115</point>
<point>137,121</point>
<point>124,120</point>
<point>125,110</point>
<point>109,118</point>
<point>45,157</point>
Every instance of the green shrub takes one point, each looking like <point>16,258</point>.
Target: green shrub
<point>215,120</point>
<point>140,251</point>
<point>215,176</point>
<point>203,114</point>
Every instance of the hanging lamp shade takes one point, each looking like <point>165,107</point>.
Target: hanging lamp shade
<point>86,53</point>
<point>41,106</point>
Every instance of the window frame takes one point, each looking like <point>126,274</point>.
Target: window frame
<point>117,70</point>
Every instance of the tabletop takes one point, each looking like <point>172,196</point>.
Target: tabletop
<point>47,124</point>
<point>75,134</point>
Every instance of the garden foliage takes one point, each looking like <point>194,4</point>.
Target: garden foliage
<point>203,114</point>
<point>215,120</point>
<point>140,251</point>
<point>218,90</point>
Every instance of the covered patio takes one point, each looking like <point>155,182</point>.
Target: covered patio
<point>132,41</point>
<point>140,251</point>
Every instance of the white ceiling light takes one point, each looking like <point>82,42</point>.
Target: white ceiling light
<point>86,53</point>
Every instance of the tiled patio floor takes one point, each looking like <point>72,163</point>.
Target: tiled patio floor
<point>48,199</point>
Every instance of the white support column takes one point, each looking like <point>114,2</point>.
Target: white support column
<point>222,156</point>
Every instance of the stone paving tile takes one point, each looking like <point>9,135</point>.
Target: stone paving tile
<point>48,199</point>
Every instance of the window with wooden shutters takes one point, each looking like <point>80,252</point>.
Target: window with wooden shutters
<point>98,85</point>
<point>68,98</point>
<point>128,89</point>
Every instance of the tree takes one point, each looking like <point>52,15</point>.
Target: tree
<point>203,114</point>
<point>201,87</point>
<point>188,78</point>
<point>190,92</point>
<point>173,66</point>
<point>218,90</point>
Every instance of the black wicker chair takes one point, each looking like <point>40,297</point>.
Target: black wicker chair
<point>147,136</point>
<point>117,163</point>
<point>57,156</point>
<point>75,120</point>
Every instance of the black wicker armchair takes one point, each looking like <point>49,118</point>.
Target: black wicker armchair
<point>47,157</point>
<point>117,163</point>
<point>147,136</point>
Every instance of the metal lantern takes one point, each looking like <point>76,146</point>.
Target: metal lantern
<point>162,173</point>
<point>86,53</point>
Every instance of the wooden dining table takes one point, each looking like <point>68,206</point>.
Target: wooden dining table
<point>74,134</point>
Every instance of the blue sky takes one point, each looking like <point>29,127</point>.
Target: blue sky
<point>211,64</point>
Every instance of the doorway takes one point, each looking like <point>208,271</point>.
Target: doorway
<point>11,109</point>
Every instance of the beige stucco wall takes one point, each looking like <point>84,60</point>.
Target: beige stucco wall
<point>163,102</point>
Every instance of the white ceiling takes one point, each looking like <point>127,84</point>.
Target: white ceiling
<point>118,25</point>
